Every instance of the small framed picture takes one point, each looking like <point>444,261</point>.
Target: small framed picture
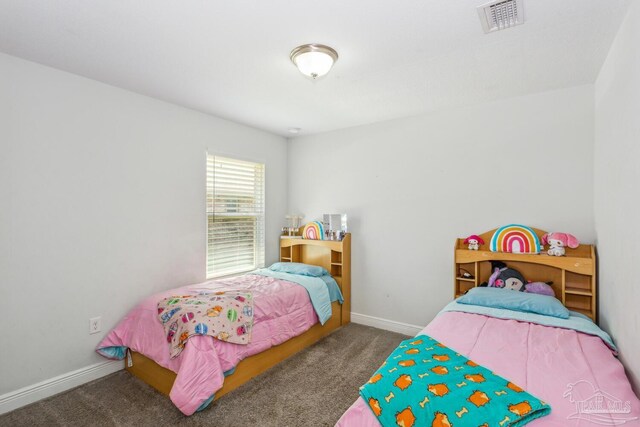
<point>335,226</point>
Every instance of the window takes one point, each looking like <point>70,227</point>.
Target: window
<point>235,216</point>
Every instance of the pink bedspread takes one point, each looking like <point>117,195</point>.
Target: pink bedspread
<point>543,360</point>
<point>283,310</point>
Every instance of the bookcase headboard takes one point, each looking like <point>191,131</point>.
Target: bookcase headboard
<point>333,255</point>
<point>573,275</point>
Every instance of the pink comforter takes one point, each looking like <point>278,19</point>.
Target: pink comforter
<point>543,360</point>
<point>283,310</point>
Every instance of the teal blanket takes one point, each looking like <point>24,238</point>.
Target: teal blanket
<point>425,383</point>
<point>315,286</point>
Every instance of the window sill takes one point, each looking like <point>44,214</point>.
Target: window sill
<point>236,274</point>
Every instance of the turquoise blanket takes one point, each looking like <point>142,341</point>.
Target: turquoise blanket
<point>425,383</point>
<point>315,286</point>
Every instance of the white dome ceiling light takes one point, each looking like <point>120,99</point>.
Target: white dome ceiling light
<point>314,60</point>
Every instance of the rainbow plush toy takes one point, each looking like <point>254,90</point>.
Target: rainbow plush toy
<point>313,231</point>
<point>515,238</point>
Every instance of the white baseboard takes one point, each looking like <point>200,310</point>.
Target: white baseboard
<point>33,393</point>
<point>387,325</point>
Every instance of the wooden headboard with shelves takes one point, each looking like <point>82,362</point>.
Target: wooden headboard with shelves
<point>333,255</point>
<point>573,275</point>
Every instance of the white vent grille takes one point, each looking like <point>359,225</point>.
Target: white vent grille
<point>501,14</point>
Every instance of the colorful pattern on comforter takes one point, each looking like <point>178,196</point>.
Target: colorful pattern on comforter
<point>224,315</point>
<point>425,383</point>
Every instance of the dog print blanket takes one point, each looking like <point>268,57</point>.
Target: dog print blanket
<point>425,383</point>
<point>224,315</point>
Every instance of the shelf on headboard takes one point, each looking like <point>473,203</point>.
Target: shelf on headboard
<point>578,263</point>
<point>574,275</point>
<point>335,245</point>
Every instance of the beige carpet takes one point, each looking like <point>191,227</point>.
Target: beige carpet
<point>312,388</point>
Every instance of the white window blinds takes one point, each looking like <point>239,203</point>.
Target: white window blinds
<point>235,216</point>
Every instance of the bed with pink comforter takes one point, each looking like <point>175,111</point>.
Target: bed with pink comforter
<point>576,373</point>
<point>282,310</point>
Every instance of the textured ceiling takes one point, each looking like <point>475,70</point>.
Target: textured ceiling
<point>231,58</point>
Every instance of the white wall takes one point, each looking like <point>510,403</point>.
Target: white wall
<point>617,177</point>
<point>411,186</point>
<point>102,202</point>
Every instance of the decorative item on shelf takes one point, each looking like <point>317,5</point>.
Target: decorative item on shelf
<point>505,277</point>
<point>465,274</point>
<point>558,241</point>
<point>335,226</point>
<point>541,288</point>
<point>293,224</point>
<point>515,238</point>
<point>474,242</point>
<point>313,231</point>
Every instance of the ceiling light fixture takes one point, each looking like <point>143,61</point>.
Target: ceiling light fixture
<point>294,131</point>
<point>314,60</point>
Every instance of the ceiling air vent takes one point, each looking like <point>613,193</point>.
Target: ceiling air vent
<point>501,14</point>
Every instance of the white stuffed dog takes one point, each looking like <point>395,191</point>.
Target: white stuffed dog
<point>558,241</point>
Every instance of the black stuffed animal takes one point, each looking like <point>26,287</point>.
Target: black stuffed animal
<point>506,278</point>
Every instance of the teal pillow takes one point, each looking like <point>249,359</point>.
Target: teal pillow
<point>299,268</point>
<point>516,301</point>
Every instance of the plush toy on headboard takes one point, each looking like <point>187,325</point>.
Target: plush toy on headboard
<point>515,238</point>
<point>558,241</point>
<point>474,242</point>
<point>313,231</point>
<point>505,277</point>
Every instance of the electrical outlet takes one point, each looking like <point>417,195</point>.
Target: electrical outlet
<point>95,325</point>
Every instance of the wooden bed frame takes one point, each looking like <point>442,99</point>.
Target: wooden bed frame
<point>335,256</point>
<point>573,275</point>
